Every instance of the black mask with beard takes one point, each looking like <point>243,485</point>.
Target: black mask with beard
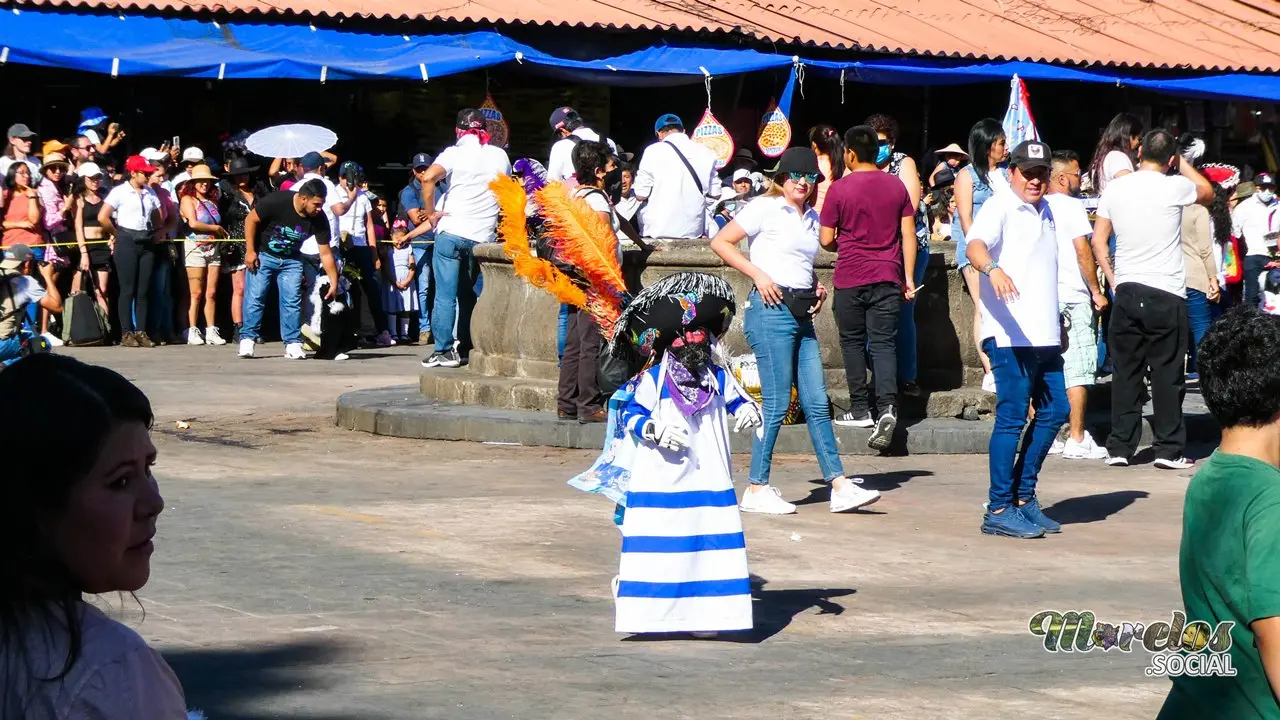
<point>695,357</point>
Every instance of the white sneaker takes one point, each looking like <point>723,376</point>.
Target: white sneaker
<point>246,348</point>
<point>294,351</point>
<point>1116,461</point>
<point>1179,463</point>
<point>1057,447</point>
<point>340,357</point>
<point>767,500</point>
<point>858,420</point>
<point>193,336</point>
<point>1086,449</point>
<point>851,497</point>
<point>989,382</point>
<point>384,340</point>
<point>213,337</point>
<point>53,340</point>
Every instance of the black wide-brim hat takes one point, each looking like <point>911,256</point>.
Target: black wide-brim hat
<point>665,310</point>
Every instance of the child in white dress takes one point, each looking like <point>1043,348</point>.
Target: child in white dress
<point>401,296</point>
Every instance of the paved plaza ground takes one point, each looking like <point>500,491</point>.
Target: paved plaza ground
<point>302,571</point>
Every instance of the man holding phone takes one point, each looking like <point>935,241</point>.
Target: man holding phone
<point>865,217</point>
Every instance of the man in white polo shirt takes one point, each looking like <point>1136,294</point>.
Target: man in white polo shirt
<point>466,216</point>
<point>1013,243</point>
<point>1149,325</point>
<point>676,181</point>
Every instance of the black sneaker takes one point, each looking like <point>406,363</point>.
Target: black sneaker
<point>448,359</point>
<point>855,419</point>
<point>882,435</point>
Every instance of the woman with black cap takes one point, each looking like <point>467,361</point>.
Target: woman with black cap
<point>781,229</point>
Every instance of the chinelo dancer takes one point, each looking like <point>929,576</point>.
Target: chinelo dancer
<point>666,457</point>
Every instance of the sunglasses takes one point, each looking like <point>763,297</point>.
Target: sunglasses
<point>810,178</point>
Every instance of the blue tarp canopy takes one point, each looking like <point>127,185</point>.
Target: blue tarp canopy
<point>134,45</point>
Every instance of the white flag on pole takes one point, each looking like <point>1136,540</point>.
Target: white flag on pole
<point>1018,123</point>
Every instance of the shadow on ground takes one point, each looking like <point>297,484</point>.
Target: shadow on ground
<point>879,481</point>
<point>228,684</point>
<point>1093,508</point>
<point>772,612</point>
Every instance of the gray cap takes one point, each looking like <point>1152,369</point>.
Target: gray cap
<point>19,130</point>
<point>14,256</point>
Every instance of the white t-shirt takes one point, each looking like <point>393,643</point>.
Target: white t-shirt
<point>1023,240</point>
<point>469,206</point>
<point>676,207</point>
<point>134,208</point>
<point>1145,209</point>
<point>25,289</point>
<point>782,242</point>
<point>6,162</point>
<point>1112,163</point>
<point>596,200</point>
<point>354,222</point>
<point>1070,221</point>
<point>560,162</point>
<point>333,196</point>
<point>1254,222</point>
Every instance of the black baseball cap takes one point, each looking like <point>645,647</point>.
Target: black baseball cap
<point>1031,154</point>
<point>561,117</point>
<point>470,119</point>
<point>1264,179</point>
<point>800,159</point>
<point>421,160</point>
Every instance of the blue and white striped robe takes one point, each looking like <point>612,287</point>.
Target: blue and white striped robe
<point>684,558</point>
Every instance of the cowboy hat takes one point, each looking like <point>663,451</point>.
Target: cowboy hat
<point>239,166</point>
<point>952,149</point>
<point>55,158</point>
<point>201,172</point>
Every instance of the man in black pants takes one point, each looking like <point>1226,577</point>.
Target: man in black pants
<point>866,215</point>
<point>1149,318</point>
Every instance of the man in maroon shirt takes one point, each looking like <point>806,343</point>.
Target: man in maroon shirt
<point>866,214</point>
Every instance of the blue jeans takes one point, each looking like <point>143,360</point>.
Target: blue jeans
<point>787,353</point>
<point>1254,266</point>
<point>11,349</point>
<point>562,330</point>
<point>422,255</point>
<point>1200,315</point>
<point>160,297</point>
<point>908,361</point>
<point>287,275</point>
<point>1104,321</point>
<point>1023,375</point>
<point>458,284</point>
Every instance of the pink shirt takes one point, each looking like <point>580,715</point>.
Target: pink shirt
<point>117,676</point>
<point>55,207</point>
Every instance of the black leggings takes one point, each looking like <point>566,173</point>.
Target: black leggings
<point>135,257</point>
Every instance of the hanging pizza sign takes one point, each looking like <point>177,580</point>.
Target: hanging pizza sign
<point>494,122</point>
<point>775,132</point>
<point>712,134</point>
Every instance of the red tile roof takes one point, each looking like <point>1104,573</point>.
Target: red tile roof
<point>1188,34</point>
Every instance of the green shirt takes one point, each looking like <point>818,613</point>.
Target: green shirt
<point>1229,564</point>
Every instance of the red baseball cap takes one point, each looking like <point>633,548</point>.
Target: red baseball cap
<point>137,163</point>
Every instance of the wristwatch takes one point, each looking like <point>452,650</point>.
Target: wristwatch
<point>986,269</point>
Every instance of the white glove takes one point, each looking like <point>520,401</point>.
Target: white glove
<point>667,437</point>
<point>747,417</point>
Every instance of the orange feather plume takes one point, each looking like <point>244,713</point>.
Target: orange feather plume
<point>514,235</point>
<point>582,239</point>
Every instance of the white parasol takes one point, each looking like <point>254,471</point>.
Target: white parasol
<point>290,141</point>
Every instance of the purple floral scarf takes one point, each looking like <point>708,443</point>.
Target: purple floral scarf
<point>690,394</point>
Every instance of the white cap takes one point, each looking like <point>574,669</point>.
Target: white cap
<point>153,154</point>
<point>89,169</point>
<point>741,174</point>
<point>193,154</point>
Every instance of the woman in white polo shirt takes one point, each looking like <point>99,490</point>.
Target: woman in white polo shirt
<point>132,213</point>
<point>781,229</point>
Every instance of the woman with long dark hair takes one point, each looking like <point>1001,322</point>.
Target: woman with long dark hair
<point>55,200</point>
<point>77,522</point>
<point>829,147</point>
<point>1116,151</point>
<point>198,204</point>
<point>94,241</point>
<point>975,184</point>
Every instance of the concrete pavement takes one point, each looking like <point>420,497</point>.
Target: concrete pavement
<point>305,571</point>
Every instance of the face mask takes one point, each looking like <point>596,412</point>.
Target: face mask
<point>882,156</point>
<point>1266,196</point>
